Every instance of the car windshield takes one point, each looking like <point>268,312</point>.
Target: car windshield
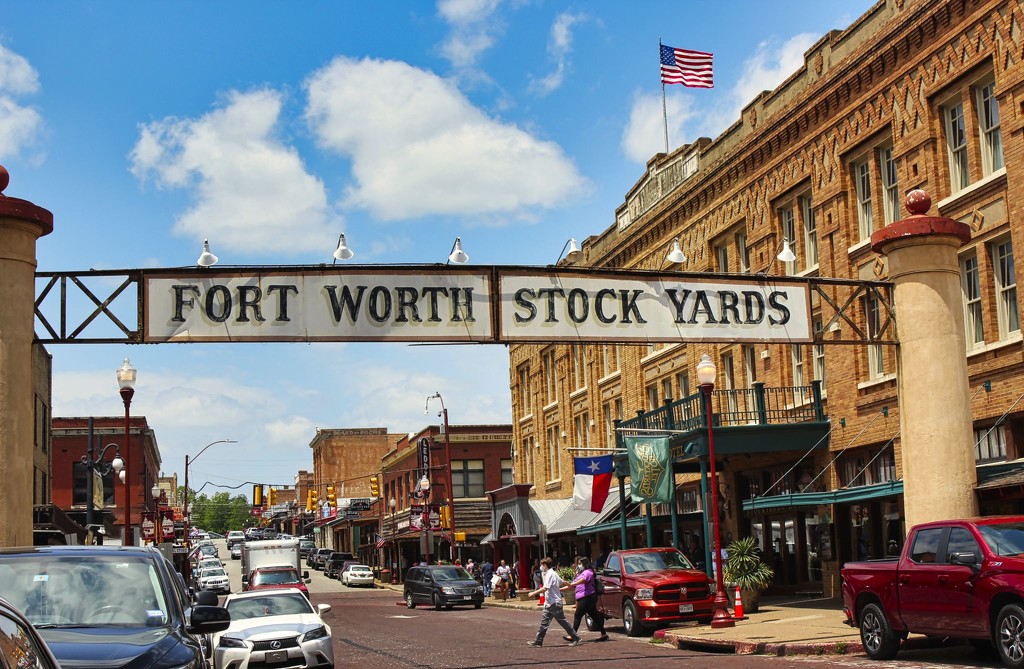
<point>451,574</point>
<point>284,604</point>
<point>276,577</point>
<point>1004,539</point>
<point>655,561</point>
<point>214,572</point>
<point>84,590</point>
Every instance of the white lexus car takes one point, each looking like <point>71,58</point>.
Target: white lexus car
<point>356,574</point>
<point>273,628</point>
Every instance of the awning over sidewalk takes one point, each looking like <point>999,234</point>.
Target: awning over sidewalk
<point>572,519</point>
<point>841,496</point>
<point>613,526</point>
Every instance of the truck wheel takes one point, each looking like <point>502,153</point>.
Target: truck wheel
<point>408,601</point>
<point>437,602</point>
<point>631,620</point>
<point>1010,635</point>
<point>879,641</point>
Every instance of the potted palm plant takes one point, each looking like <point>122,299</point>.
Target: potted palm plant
<point>745,568</point>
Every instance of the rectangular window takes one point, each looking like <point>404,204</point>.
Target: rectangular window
<point>579,366</point>
<point>550,376</point>
<point>990,444</point>
<point>956,144</point>
<point>742,252</point>
<point>876,356</point>
<point>788,224</point>
<point>581,424</point>
<point>991,137</point>
<point>722,253</point>
<point>890,186</point>
<point>554,462</point>
<point>819,357</point>
<point>652,396</point>
<point>666,389</point>
<point>506,472</point>
<point>970,284</point>
<point>862,177</point>
<point>797,353</point>
<point>609,425</point>
<point>525,396</point>
<point>810,227</point>
<point>683,384</point>
<point>1006,288</point>
<point>609,359</point>
<point>528,460</point>
<point>729,382</point>
<point>750,364</point>
<point>467,478</point>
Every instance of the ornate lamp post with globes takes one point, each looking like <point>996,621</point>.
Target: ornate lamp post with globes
<point>706,374</point>
<point>126,375</point>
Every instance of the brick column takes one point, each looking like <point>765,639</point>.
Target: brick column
<point>935,411</point>
<point>21,224</point>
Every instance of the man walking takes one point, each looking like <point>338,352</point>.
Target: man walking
<point>553,603</point>
<point>487,572</point>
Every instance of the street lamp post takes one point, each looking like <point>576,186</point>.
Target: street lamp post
<point>126,375</point>
<point>706,373</point>
<point>448,467</point>
<point>184,506</point>
<point>424,487</point>
<point>394,547</point>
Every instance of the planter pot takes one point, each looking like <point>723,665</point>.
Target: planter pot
<point>751,599</point>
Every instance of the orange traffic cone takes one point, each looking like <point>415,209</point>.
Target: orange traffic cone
<point>738,614</point>
<point>540,602</point>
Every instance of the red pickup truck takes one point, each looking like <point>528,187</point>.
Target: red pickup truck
<point>652,587</point>
<point>954,578</point>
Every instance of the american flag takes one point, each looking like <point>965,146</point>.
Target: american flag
<point>381,542</point>
<point>689,68</point>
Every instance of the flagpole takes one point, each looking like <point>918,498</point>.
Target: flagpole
<point>664,111</point>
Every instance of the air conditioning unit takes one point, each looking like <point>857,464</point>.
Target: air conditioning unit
<point>765,354</point>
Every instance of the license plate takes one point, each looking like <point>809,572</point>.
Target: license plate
<point>276,655</point>
<point>686,608</point>
<point>467,596</point>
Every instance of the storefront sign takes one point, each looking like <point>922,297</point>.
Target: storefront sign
<point>486,304</point>
<point>424,459</point>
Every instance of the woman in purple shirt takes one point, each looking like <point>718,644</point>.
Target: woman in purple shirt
<point>586,600</point>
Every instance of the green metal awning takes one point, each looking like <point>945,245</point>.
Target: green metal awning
<point>841,496</point>
<point>611,526</point>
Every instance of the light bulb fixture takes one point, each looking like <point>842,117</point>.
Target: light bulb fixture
<point>117,464</point>
<point>155,490</point>
<point>424,484</point>
<point>206,259</point>
<point>706,371</point>
<point>343,252</point>
<point>676,255</point>
<point>121,475</point>
<point>126,374</point>
<point>786,254</point>
<point>458,255</point>
<point>574,253</point>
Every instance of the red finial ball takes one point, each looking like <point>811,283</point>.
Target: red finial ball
<point>918,202</point>
<point>5,178</point>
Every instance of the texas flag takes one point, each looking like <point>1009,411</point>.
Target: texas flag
<point>593,478</point>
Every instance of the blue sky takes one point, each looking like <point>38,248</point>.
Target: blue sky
<point>270,128</point>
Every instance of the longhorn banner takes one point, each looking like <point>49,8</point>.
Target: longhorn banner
<point>650,469</point>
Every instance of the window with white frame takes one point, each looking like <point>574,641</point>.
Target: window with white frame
<point>550,376</point>
<point>862,180</point>
<point>652,396</point>
<point>1006,288</point>
<point>609,359</point>
<point>507,477</point>
<point>729,381</point>
<point>666,389</point>
<point>742,252</point>
<point>797,354</point>
<point>956,145</point>
<point>991,136</point>
<point>722,254</point>
<point>581,423</point>
<point>970,284</point>
<point>818,350</point>
<point>525,396</point>
<point>890,185</point>
<point>467,478</point>
<point>750,364</point>
<point>876,355</point>
<point>528,460</point>
<point>810,228</point>
<point>990,444</point>
<point>554,461</point>
<point>579,366</point>
<point>683,384</point>
<point>787,221</point>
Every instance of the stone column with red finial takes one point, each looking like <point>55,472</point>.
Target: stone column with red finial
<point>936,435</point>
<point>21,224</point>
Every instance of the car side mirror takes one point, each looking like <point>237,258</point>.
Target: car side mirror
<point>614,573</point>
<point>206,598</point>
<point>964,559</point>
<point>208,619</point>
<point>323,608</point>
<point>305,574</point>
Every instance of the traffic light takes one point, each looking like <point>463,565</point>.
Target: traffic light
<point>257,495</point>
<point>446,521</point>
<point>314,500</point>
<point>460,537</point>
<point>374,486</point>
<point>271,496</point>
<point>309,500</point>
<point>332,501</point>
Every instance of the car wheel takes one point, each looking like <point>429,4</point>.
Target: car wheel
<point>437,602</point>
<point>879,641</point>
<point>448,607</point>
<point>1010,635</point>
<point>409,604</point>
<point>477,605</point>
<point>631,620</point>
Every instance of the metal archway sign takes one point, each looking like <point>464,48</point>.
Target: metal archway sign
<point>445,304</point>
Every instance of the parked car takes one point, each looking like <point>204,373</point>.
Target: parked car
<point>236,551</point>
<point>356,574</point>
<point>336,562</point>
<point>653,587</point>
<point>235,537</point>
<point>274,628</point>
<point>22,646</point>
<point>305,546</point>
<point>320,557</point>
<point>214,579</point>
<point>109,606</point>
<point>442,586</point>
<point>953,578</point>
<point>209,550</point>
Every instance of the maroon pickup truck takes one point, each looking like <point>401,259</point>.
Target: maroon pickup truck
<point>652,587</point>
<point>955,578</point>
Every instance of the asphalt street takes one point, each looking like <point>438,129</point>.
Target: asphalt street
<point>373,628</point>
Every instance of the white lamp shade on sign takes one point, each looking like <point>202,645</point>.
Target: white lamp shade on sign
<point>706,371</point>
<point>574,253</point>
<point>786,254</point>
<point>206,259</point>
<point>458,255</point>
<point>343,252</point>
<point>676,255</point>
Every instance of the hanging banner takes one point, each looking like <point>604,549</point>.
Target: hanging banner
<point>650,469</point>
<point>167,524</point>
<point>148,526</point>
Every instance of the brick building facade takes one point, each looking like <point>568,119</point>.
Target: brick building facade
<point>914,94</point>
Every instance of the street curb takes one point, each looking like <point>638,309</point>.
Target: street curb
<point>704,644</point>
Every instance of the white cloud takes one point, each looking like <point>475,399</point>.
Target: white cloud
<point>290,431</point>
<point>644,134</point>
<point>472,23</point>
<point>559,46</point>
<point>20,125</point>
<point>419,147</point>
<point>772,64</point>
<point>251,191</point>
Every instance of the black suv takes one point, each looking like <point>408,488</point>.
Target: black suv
<point>442,586</point>
<point>109,606</point>
<point>335,563</point>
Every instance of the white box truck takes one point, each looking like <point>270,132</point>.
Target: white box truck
<point>272,563</point>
